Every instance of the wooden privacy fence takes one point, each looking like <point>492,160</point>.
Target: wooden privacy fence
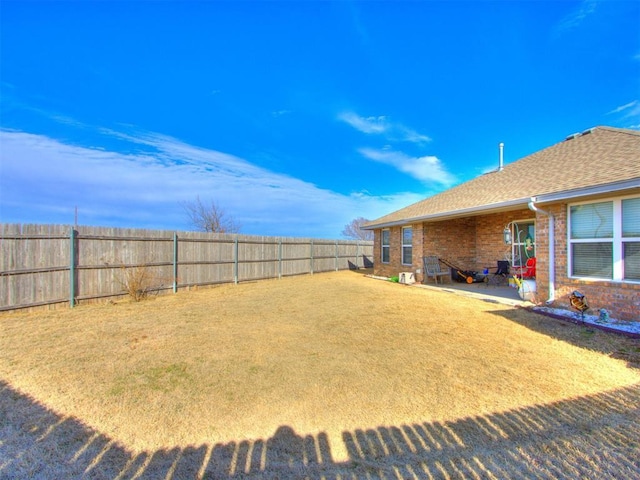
<point>51,264</point>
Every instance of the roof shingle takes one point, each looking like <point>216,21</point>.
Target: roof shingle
<point>597,157</point>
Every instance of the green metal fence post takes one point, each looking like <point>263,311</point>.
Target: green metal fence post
<point>175,262</point>
<point>235,263</point>
<point>72,267</point>
<point>279,258</point>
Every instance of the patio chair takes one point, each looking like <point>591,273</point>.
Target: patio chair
<point>432,269</point>
<point>528,270</point>
<point>500,276</point>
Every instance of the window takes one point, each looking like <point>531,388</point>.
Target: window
<point>604,239</point>
<point>407,245</point>
<point>385,246</point>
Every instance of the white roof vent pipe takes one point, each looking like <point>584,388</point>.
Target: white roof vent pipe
<point>501,166</point>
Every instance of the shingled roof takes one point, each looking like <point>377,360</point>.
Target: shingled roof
<point>598,158</point>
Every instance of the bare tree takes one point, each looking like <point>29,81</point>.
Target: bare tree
<point>354,230</point>
<point>210,217</point>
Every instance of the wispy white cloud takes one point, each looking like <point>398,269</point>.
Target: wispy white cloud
<point>376,125</point>
<point>428,169</point>
<point>381,125</point>
<point>43,179</point>
<point>628,114</point>
<point>413,136</point>
<point>624,107</point>
<point>576,17</point>
<point>280,113</point>
<point>358,25</point>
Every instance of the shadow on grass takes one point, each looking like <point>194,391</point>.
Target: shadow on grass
<point>594,436</point>
<point>360,270</point>
<point>614,345</point>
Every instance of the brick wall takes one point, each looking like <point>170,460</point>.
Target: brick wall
<point>490,236</point>
<point>453,240</point>
<point>395,266</point>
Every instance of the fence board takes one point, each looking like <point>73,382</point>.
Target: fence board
<point>35,260</point>
<point>34,264</point>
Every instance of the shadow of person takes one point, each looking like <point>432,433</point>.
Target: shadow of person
<point>285,450</point>
<point>284,455</point>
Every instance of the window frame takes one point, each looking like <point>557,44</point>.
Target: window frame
<point>406,245</point>
<point>617,241</point>
<point>386,246</point>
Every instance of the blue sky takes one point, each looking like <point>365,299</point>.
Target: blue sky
<point>295,117</point>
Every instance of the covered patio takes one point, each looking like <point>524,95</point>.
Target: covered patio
<point>499,294</point>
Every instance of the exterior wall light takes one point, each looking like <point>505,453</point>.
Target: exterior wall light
<point>506,233</point>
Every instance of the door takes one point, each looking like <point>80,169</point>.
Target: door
<point>523,246</point>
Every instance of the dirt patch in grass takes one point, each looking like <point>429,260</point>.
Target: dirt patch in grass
<point>335,360</point>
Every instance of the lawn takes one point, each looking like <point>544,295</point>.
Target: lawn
<point>334,375</point>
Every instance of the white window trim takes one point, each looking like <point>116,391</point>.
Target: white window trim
<point>382,246</point>
<point>617,240</point>
<point>406,245</point>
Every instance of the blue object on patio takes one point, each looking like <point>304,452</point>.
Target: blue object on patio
<point>499,277</point>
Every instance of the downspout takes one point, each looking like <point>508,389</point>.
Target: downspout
<point>552,249</point>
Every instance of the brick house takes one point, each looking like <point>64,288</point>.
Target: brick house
<point>575,206</point>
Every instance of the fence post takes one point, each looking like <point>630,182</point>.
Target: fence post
<point>358,255</point>
<point>175,262</point>
<point>311,244</point>
<point>336,255</point>
<point>280,258</point>
<point>235,260</point>
<point>72,267</point>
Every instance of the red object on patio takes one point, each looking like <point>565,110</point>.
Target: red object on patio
<point>528,270</point>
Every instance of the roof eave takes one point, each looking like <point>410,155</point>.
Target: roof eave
<point>597,190</point>
<point>465,212</point>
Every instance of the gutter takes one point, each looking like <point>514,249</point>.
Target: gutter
<point>608,188</point>
<point>552,248</point>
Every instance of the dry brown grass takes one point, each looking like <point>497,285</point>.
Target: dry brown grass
<point>333,375</point>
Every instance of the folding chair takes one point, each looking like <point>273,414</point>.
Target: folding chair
<point>432,269</point>
<point>499,277</point>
